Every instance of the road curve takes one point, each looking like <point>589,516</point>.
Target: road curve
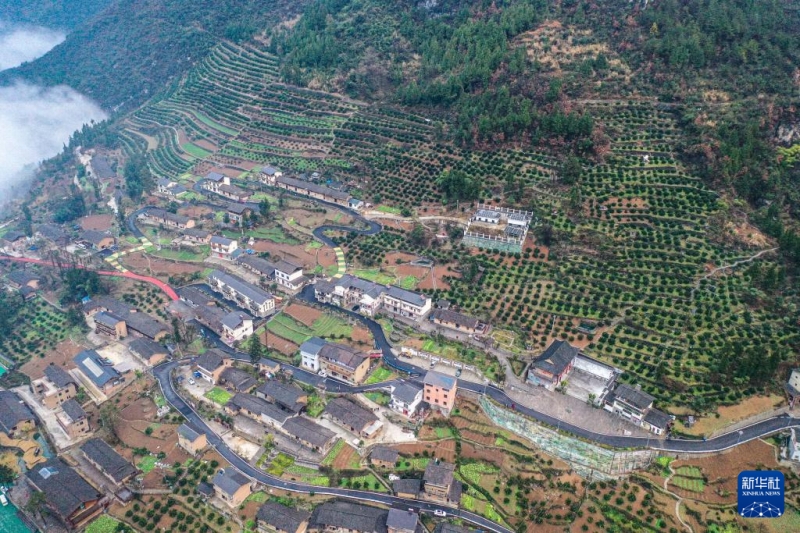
<point>163,374</point>
<point>169,291</point>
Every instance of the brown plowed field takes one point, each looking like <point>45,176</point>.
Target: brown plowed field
<point>303,313</point>
<point>445,449</point>
<point>342,460</point>
<point>139,263</point>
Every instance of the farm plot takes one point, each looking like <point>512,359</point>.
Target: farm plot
<point>218,395</point>
<point>38,330</point>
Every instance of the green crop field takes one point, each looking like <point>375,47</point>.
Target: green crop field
<point>690,484</point>
<point>689,471</point>
<point>103,524</point>
<point>195,151</point>
<point>389,209</point>
<point>331,455</point>
<point>285,326</point>
<point>376,276</point>
<point>379,374</point>
<point>147,463</point>
<point>331,326</point>
<point>408,282</point>
<point>218,395</point>
<point>216,125</point>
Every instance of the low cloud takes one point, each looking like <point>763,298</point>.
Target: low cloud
<point>35,123</point>
<point>19,44</point>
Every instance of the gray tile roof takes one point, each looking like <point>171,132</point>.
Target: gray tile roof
<point>22,277</point>
<point>107,319</point>
<point>110,462</point>
<point>214,176</point>
<point>556,358</point>
<point>440,474</point>
<point>264,361</point>
<point>342,355</point>
<point>447,527</point>
<point>230,480</point>
<point>146,348</point>
<point>106,302</point>
<point>259,264</point>
<point>406,392</point>
<point>224,241</point>
<point>235,320</point>
<point>239,379</point>
<point>258,406</point>
<point>453,317</point>
<point>402,519</point>
<point>13,235</point>
<point>382,453</point>
<point>211,360</point>
<point>308,431</point>
<point>52,232</point>
<point>407,486</point>
<point>287,267</point>
<point>195,296</point>
<point>12,411</point>
<point>411,297</point>
<point>188,432</point>
<point>156,212</point>
<point>437,379</point>
<point>238,208</point>
<point>636,398</point>
<point>287,396</point>
<point>269,170</point>
<point>349,516</point>
<point>93,367</point>
<point>313,187</point>
<point>196,232</point>
<point>657,418</point>
<point>281,517</point>
<point>313,345</point>
<point>64,490</point>
<point>58,376</point>
<point>256,294</point>
<point>94,237</point>
<point>102,168</point>
<point>234,190</point>
<point>73,410</point>
<point>145,324</point>
<point>350,413</point>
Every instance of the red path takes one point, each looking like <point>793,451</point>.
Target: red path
<point>169,291</point>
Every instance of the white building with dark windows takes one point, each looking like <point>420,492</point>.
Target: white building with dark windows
<point>246,295</point>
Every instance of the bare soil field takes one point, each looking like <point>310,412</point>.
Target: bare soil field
<point>361,335</point>
<point>393,257</point>
<point>309,258</point>
<point>280,344</point>
<point>445,449</point>
<point>486,440</point>
<point>730,414</point>
<point>311,218</point>
<point>97,222</point>
<point>157,266</point>
<point>344,458</point>
<point>208,145</point>
<point>303,313</point>
<point>195,211</point>
<point>61,356</point>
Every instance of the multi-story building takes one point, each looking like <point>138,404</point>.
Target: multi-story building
<point>108,461</point>
<point>223,247</point>
<point>98,371</point>
<point>369,297</point>
<point>73,419</point>
<point>309,353</point>
<point>196,236</point>
<point>232,487</point>
<point>440,484</point>
<point>353,417</point>
<point>170,189</point>
<point>406,398</point>
<point>55,387</point>
<point>69,497</point>
<point>211,365</point>
<point>636,406</point>
<point>236,326</point>
<point>214,180</point>
<point>258,265</point>
<point>107,323</point>
<point>440,391</point>
<point>237,213</point>
<point>244,294</point>
<point>272,517</point>
<point>191,440</point>
<point>342,362</point>
<point>289,275</point>
<point>552,367</point>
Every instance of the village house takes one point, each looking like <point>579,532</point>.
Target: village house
<point>269,173</point>
<point>368,297</point>
<point>100,168</point>
<point>348,517</point>
<point>305,188</point>
<point>191,440</point>
<point>406,398</point>
<point>135,321</point>
<point>407,488</point>
<point>274,517</point>
<point>553,365</point>
<point>107,323</point>
<point>214,180</point>
<point>53,234</point>
<point>237,379</point>
<point>353,417</point>
<point>289,275</point>
<point>636,406</point>
<point>211,365</point>
<point>108,461</point>
<point>151,352</point>
<point>224,248</point>
<point>309,434</point>
<point>16,418</point>
<point>238,213</point>
<point>67,495</point>
<point>268,367</point>
<point>402,521</point>
<point>55,387</point>
<point>98,371</point>
<point>285,396</point>
<point>244,294</point>
<point>196,236</point>
<point>232,192</point>
<point>170,189</point>
<point>440,391</point>
<point>258,265</point>
<point>258,409</point>
<point>15,241</point>
<point>309,353</point>
<point>73,419</point>
<point>236,326</point>
<point>232,487</point>
<point>18,279</point>
<point>384,457</point>
<point>343,362</point>
<point>792,387</point>
<point>161,217</point>
<point>487,216</point>
<point>454,320</point>
<point>439,485</point>
<point>98,239</point>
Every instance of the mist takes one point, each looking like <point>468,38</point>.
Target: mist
<point>22,43</point>
<point>35,122</point>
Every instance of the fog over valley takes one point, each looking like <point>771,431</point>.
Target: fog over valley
<point>35,122</point>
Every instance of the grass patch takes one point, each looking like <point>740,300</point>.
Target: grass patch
<point>375,275</point>
<point>214,124</point>
<point>381,398</point>
<point>315,406</point>
<point>412,463</point>
<point>103,524</point>
<point>147,464</point>
<point>285,326</point>
<point>368,482</point>
<point>258,497</point>
<point>408,282</point>
<point>183,255</point>
<point>690,484</point>
<point>218,395</point>
<point>195,151</point>
<point>378,375</point>
<point>388,209</point>
<point>689,471</point>
<point>280,464</point>
<point>331,326</point>
<point>276,235</point>
<point>443,433</point>
<point>313,245</point>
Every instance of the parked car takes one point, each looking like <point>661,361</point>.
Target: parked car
<point>192,381</point>
<point>439,512</point>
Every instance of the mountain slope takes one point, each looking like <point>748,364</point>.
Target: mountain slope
<point>63,15</point>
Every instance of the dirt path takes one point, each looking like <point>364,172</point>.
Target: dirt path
<point>679,499</point>
<point>725,267</point>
